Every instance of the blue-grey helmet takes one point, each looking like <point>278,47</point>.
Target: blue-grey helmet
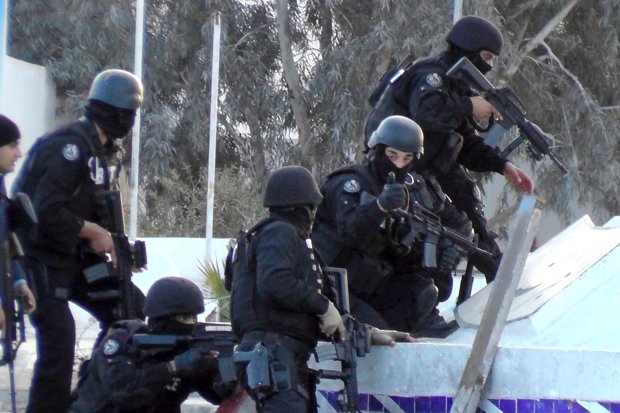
<point>117,88</point>
<point>399,132</point>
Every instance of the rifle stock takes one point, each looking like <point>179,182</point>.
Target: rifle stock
<point>513,113</point>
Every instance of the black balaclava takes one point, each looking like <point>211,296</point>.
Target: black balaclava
<point>168,325</point>
<point>114,122</point>
<point>381,165</point>
<point>454,53</point>
<point>302,216</point>
<point>479,62</point>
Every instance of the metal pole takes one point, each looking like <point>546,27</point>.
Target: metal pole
<point>215,73</point>
<point>498,306</point>
<point>4,30</point>
<point>458,10</point>
<point>135,141</point>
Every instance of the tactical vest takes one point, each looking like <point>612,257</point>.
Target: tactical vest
<point>248,311</point>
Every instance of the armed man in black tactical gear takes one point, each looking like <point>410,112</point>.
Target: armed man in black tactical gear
<point>446,110</point>
<point>123,377</point>
<point>63,172</point>
<point>355,229</point>
<point>278,309</point>
<point>276,292</point>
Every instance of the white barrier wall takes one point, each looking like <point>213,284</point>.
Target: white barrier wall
<point>28,97</point>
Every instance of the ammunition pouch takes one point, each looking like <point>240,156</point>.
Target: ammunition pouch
<point>447,154</point>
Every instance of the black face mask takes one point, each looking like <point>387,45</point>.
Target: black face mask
<point>301,216</point>
<point>382,166</point>
<point>171,326</point>
<point>479,62</point>
<point>115,122</point>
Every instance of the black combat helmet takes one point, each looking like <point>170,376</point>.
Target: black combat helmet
<point>117,88</point>
<point>170,296</point>
<point>399,133</point>
<point>290,186</point>
<point>473,34</point>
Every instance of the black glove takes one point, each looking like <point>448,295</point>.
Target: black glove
<point>194,363</point>
<point>450,258</point>
<point>392,197</point>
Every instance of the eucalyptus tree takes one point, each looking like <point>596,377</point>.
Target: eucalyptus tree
<point>295,77</point>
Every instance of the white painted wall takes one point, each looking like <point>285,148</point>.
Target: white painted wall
<point>28,97</point>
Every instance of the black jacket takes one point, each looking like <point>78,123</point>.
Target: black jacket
<point>351,231</point>
<point>440,106</point>
<point>62,172</point>
<point>275,287</point>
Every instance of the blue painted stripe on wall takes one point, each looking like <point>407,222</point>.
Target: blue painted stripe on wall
<point>443,404</point>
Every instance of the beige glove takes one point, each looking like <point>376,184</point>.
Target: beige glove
<point>331,321</point>
<point>388,337</point>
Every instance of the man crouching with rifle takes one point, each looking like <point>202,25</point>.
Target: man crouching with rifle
<point>278,308</point>
<point>153,367</point>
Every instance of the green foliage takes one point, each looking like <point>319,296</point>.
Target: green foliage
<point>341,48</point>
<point>215,288</point>
<point>176,207</point>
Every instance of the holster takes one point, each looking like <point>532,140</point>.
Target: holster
<point>42,284</point>
<point>270,366</point>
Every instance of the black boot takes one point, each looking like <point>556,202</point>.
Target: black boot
<point>434,325</point>
<point>426,300</point>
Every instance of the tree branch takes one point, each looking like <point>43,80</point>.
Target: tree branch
<point>533,43</point>
<point>300,111</point>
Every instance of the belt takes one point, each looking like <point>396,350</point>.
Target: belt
<point>271,338</point>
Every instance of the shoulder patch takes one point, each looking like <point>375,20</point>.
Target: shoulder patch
<point>433,80</point>
<point>414,180</point>
<point>352,186</point>
<point>70,152</point>
<point>110,347</point>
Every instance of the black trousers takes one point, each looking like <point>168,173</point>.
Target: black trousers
<point>394,305</point>
<point>465,196</point>
<point>55,334</point>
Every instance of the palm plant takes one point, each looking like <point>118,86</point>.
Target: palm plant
<point>215,289</point>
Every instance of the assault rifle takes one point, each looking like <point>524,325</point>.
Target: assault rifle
<point>426,226</point>
<point>129,256</point>
<point>356,343</point>
<point>513,113</point>
<point>21,215</point>
<point>14,329</point>
<point>206,337</point>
